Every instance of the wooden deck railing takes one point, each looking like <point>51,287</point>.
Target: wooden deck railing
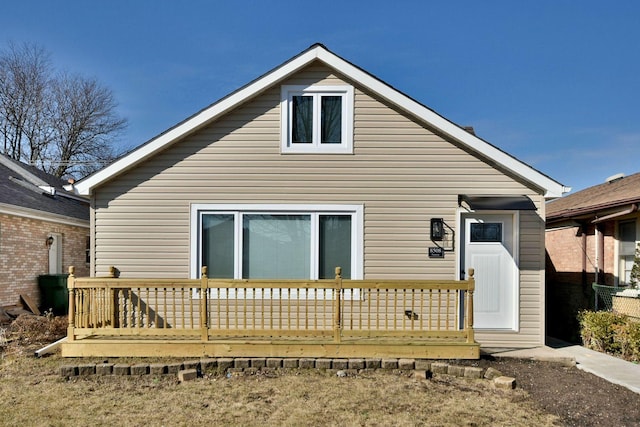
<point>325,311</point>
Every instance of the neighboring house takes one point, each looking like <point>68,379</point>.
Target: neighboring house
<point>591,238</point>
<point>43,230</point>
<point>316,164</point>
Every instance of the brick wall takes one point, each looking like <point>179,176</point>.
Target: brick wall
<point>610,242</point>
<point>565,251</point>
<point>568,290</point>
<point>24,254</point>
<point>565,248</point>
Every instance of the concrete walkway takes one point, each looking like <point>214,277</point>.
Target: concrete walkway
<point>610,368</point>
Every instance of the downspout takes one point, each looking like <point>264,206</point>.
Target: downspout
<point>601,255</point>
<point>596,237</point>
<point>583,236</point>
<point>599,252</point>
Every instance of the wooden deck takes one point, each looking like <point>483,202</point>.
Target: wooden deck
<point>116,317</point>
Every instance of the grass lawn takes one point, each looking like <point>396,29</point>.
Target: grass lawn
<point>33,393</point>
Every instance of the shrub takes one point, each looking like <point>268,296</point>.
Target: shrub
<point>628,337</point>
<point>597,329</point>
<point>610,333</point>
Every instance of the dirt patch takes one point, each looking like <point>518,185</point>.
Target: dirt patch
<point>577,397</point>
<point>547,394</point>
<point>27,333</point>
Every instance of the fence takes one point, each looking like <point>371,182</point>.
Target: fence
<point>621,300</point>
<point>603,295</point>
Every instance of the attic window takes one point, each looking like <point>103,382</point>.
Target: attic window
<point>317,119</point>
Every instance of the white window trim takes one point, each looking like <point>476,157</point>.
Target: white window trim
<point>357,229</point>
<point>345,147</point>
<point>616,249</point>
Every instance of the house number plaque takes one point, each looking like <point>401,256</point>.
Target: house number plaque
<point>436,252</point>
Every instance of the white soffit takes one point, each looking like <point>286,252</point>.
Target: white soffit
<point>551,187</point>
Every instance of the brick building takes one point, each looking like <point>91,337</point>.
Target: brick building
<point>591,237</point>
<point>43,230</point>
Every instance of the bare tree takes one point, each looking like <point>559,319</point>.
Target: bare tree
<point>64,125</point>
<point>84,125</point>
<point>23,93</point>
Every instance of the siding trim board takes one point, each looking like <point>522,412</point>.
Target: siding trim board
<point>318,52</point>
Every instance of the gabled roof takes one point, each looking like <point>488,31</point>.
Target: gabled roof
<point>318,52</point>
<point>615,196</point>
<point>28,191</point>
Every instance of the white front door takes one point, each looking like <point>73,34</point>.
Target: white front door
<point>489,249</point>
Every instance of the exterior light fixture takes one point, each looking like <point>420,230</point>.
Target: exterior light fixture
<point>437,229</point>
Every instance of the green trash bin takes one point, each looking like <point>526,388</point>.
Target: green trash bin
<point>54,294</point>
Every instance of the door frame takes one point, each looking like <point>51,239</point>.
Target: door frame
<point>460,244</point>
<point>55,253</point>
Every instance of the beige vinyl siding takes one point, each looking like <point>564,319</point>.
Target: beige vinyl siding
<point>402,173</point>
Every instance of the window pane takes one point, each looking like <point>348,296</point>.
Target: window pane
<point>276,246</point>
<point>331,119</point>
<point>335,245</point>
<point>302,125</point>
<point>627,231</point>
<point>217,245</point>
<point>486,232</point>
<point>626,264</point>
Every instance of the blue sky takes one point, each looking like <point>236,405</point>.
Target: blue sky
<point>554,83</point>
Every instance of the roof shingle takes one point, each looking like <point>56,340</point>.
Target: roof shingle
<point>619,192</point>
<point>18,189</point>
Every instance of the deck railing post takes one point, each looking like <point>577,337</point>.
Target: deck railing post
<point>113,306</point>
<point>72,303</point>
<point>469,315</point>
<point>113,298</point>
<point>204,323</point>
<point>337,327</point>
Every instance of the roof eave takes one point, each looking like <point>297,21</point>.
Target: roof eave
<point>20,211</point>
<point>550,188</point>
<point>85,186</point>
<point>591,211</point>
